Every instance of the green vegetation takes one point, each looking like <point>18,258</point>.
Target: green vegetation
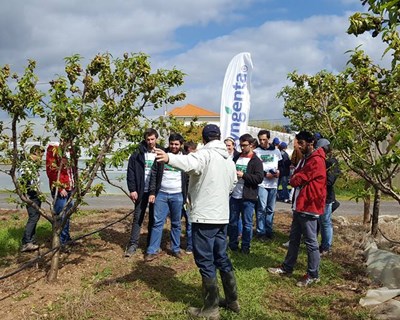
<point>12,230</point>
<point>163,289</point>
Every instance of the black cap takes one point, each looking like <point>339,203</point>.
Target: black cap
<point>211,130</point>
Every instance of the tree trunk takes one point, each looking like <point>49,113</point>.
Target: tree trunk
<point>367,204</point>
<point>375,212</point>
<point>55,259</point>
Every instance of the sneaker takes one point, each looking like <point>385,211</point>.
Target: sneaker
<point>307,281</point>
<point>29,247</point>
<point>130,251</point>
<point>287,201</point>
<point>245,250</point>
<point>177,255</point>
<point>278,270</point>
<point>150,257</point>
<point>189,251</point>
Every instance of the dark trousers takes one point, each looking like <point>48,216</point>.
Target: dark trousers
<point>209,249</point>
<point>138,217</point>
<point>33,218</point>
<point>306,226</point>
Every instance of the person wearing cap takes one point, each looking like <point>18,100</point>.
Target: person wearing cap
<point>325,220</point>
<point>267,189</point>
<point>212,177</point>
<point>230,146</point>
<point>284,173</point>
<point>276,142</point>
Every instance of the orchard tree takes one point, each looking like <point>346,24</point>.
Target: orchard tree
<point>382,18</point>
<point>94,107</point>
<point>359,110</point>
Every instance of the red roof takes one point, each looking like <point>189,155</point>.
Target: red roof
<point>191,110</point>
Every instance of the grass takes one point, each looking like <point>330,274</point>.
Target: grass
<point>117,288</point>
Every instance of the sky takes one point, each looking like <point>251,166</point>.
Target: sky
<point>198,37</point>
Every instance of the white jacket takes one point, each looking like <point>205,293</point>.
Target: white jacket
<point>212,178</point>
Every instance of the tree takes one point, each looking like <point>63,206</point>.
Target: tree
<point>93,108</point>
<point>359,109</point>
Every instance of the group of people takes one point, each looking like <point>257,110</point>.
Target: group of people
<point>217,189</point>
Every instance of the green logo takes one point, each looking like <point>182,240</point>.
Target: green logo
<point>228,110</point>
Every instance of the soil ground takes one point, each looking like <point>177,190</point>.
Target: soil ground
<point>83,283</point>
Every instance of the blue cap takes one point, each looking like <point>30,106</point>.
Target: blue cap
<point>276,141</point>
<point>283,145</point>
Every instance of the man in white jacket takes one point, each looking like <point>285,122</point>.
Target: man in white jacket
<point>212,179</point>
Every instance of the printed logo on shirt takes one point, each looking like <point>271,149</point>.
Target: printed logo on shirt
<point>241,167</point>
<point>267,158</point>
<point>149,163</point>
<point>167,167</point>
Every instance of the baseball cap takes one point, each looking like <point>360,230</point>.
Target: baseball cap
<point>283,145</point>
<point>211,130</point>
<point>276,141</point>
<point>322,143</point>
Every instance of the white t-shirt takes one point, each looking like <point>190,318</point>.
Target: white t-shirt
<point>171,180</point>
<point>241,165</point>
<point>149,158</point>
<point>270,159</point>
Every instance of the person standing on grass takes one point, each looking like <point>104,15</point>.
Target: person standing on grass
<point>62,170</point>
<point>212,177</point>
<point>137,178</point>
<point>325,220</point>
<point>270,156</point>
<point>309,181</point>
<point>168,189</point>
<point>250,174</point>
<point>30,175</point>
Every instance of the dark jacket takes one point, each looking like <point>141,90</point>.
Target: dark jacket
<point>135,173</point>
<point>156,175</point>
<point>332,173</point>
<point>284,164</point>
<point>252,178</point>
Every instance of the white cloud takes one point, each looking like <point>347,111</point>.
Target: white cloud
<point>48,30</point>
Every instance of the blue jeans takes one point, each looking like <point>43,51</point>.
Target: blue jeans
<point>166,203</point>
<point>284,193</point>
<point>58,207</point>
<point>306,225</point>
<point>33,218</point>
<point>209,249</point>
<point>265,211</point>
<point>246,208</point>
<point>188,225</point>
<point>325,222</point>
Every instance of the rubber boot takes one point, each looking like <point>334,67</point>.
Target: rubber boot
<point>211,298</point>
<point>230,291</point>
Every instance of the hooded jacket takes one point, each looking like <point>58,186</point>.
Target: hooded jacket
<point>310,178</point>
<point>212,178</point>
